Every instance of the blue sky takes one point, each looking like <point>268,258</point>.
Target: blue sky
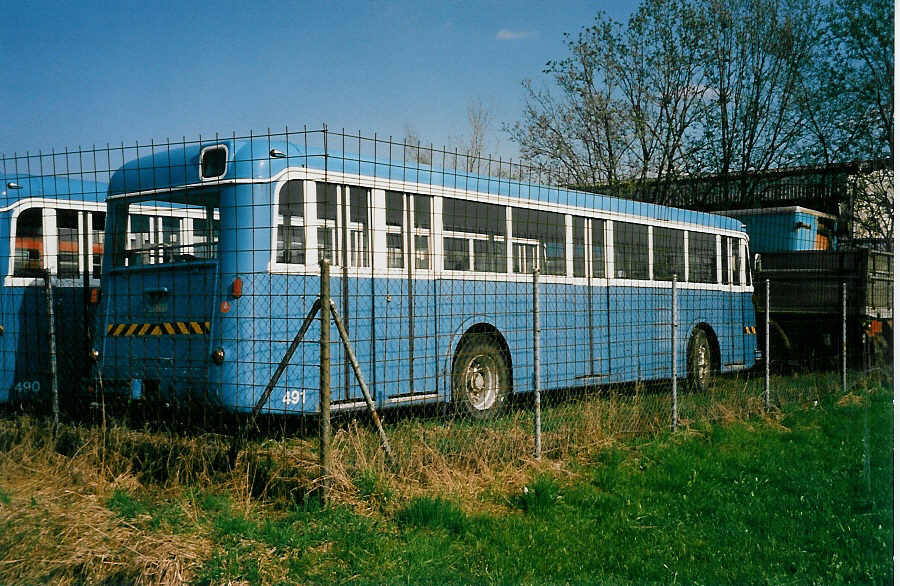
<point>86,72</point>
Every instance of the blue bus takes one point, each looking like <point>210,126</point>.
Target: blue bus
<point>48,223</point>
<point>431,271</point>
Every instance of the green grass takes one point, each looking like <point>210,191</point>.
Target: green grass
<point>805,496</point>
<point>432,513</point>
<point>805,501</point>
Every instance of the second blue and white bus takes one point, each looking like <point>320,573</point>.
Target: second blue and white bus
<point>431,270</point>
<point>50,226</point>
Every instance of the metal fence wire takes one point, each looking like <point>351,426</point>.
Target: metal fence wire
<point>475,310</point>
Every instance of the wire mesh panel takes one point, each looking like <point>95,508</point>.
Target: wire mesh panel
<point>187,275</point>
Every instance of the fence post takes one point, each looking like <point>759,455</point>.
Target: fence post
<point>51,333</point>
<point>768,344</point>
<point>844,336</point>
<point>536,331</point>
<point>325,378</point>
<point>674,352</point>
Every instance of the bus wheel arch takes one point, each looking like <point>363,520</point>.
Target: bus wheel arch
<point>481,372</point>
<point>704,357</point>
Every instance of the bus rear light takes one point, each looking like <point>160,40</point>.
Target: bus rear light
<point>218,356</point>
<point>237,288</point>
<point>95,296</point>
<point>94,355</point>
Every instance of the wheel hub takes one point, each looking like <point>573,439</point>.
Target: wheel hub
<point>482,382</point>
<point>702,362</point>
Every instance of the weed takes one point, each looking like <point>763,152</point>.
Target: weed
<point>167,516</point>
<point>4,497</point>
<point>230,566</point>
<point>125,505</point>
<point>539,496</point>
<point>605,468</point>
<point>372,488</point>
<point>233,528</point>
<point>211,502</point>
<point>432,513</point>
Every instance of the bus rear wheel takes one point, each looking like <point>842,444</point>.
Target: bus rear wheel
<point>481,378</point>
<point>700,363</point>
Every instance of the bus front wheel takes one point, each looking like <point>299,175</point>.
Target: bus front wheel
<point>700,363</point>
<point>481,379</point>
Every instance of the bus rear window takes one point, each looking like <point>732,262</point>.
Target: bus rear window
<point>29,253</point>
<point>181,228</point>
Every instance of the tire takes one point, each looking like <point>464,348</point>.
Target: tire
<point>700,363</point>
<point>481,378</point>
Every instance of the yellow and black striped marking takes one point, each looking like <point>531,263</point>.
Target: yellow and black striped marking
<point>750,330</point>
<point>166,328</point>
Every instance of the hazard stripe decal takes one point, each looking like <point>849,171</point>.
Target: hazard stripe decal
<point>176,328</point>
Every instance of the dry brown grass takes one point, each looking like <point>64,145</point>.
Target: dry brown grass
<point>56,524</point>
<point>56,528</point>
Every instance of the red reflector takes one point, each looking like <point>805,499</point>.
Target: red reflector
<point>226,307</point>
<point>237,288</point>
<point>95,296</point>
<point>875,328</point>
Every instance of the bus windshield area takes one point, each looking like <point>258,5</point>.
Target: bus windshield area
<point>179,227</point>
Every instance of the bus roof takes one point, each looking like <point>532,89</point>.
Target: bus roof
<point>249,159</point>
<point>15,188</point>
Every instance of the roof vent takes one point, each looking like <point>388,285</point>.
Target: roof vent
<point>213,162</point>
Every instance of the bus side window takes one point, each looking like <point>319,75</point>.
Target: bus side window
<point>598,250</point>
<point>726,267</point>
<point>538,237</point>
<point>327,221</point>
<point>98,219</point>
<point>475,236</point>
<point>140,240</point>
<point>579,256</point>
<point>702,258</point>
<point>29,251</point>
<point>291,240</point>
<point>745,254</point>
<point>358,229</point>
<point>734,261</point>
<point>422,230</point>
<point>631,244</point>
<point>67,256</point>
<point>668,254</point>
<point>393,203</point>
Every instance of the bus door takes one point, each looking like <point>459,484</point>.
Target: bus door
<point>406,299</point>
<point>598,309</point>
<point>393,317</point>
<point>731,266</point>
<point>345,211</point>
<point>584,344</point>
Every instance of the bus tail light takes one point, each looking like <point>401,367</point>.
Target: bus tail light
<point>237,288</point>
<point>95,296</point>
<point>218,356</point>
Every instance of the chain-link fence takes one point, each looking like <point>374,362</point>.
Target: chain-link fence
<point>474,312</point>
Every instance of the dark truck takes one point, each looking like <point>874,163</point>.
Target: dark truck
<point>806,297</point>
<point>796,250</point>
